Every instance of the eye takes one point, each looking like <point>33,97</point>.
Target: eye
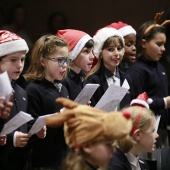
<point>119,48</point>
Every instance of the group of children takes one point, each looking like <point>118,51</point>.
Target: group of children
<point>60,66</point>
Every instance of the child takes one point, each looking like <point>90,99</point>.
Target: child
<point>109,49</point>
<point>89,133</point>
<point>13,51</point>
<point>129,35</point>
<point>49,62</point>
<point>142,138</point>
<point>149,75</point>
<point>81,46</point>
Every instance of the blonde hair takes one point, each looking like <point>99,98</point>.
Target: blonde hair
<point>44,46</point>
<point>146,118</point>
<point>75,161</point>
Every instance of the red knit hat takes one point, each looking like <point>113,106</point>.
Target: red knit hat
<point>11,43</point>
<point>142,100</point>
<point>123,28</point>
<point>76,40</point>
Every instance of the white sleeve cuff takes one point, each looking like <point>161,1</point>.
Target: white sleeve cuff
<point>165,103</point>
<point>14,138</point>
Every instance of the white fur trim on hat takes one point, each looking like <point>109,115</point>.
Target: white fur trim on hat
<point>12,47</point>
<point>101,36</point>
<point>126,30</point>
<point>79,46</point>
<point>139,102</point>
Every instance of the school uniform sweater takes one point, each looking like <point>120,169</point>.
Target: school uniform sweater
<point>47,152</point>
<point>74,83</point>
<point>100,77</point>
<point>120,162</point>
<point>150,77</point>
<point>11,157</point>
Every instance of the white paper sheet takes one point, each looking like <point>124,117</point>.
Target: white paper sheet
<point>111,98</point>
<point>39,124</point>
<point>86,93</point>
<point>5,85</point>
<point>17,121</point>
<point>157,122</point>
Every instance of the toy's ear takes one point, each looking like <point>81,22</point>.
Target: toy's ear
<point>67,103</point>
<point>59,118</point>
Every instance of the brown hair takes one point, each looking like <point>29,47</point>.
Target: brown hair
<point>146,118</point>
<point>105,45</point>
<point>44,46</point>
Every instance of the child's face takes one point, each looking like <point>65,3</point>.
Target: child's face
<point>112,55</point>
<point>100,153</point>
<point>13,64</point>
<point>53,71</point>
<point>148,138</point>
<point>154,48</point>
<point>130,49</point>
<point>84,59</point>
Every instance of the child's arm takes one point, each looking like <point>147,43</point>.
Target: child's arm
<point>5,107</point>
<point>21,139</point>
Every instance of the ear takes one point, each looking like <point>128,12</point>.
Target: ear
<point>143,43</point>
<point>87,148</point>
<point>136,135</point>
<point>42,61</point>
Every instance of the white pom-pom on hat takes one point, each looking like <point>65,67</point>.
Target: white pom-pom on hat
<point>142,100</point>
<point>101,36</point>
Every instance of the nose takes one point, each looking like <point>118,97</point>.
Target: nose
<point>133,47</point>
<point>65,64</point>
<point>20,64</point>
<point>156,135</point>
<point>163,48</point>
<point>91,56</point>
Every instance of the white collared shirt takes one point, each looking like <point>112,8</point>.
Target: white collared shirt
<point>134,161</point>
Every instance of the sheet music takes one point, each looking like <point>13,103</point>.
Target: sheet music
<point>157,122</point>
<point>5,85</point>
<point>39,124</point>
<point>86,93</point>
<point>17,121</point>
<point>111,98</point>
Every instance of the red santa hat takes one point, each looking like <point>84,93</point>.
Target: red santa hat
<point>142,100</point>
<point>76,40</point>
<point>11,43</point>
<point>123,28</point>
<point>101,36</point>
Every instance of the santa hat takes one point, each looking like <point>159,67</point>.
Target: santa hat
<point>101,36</point>
<point>142,100</point>
<point>11,43</point>
<point>76,40</point>
<point>123,28</point>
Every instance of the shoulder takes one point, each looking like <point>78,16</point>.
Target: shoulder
<point>19,89</point>
<point>96,77</point>
<point>143,164</point>
<point>119,161</point>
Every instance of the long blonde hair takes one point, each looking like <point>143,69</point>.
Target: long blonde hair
<point>146,118</point>
<point>44,46</point>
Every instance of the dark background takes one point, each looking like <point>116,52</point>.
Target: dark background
<point>87,15</point>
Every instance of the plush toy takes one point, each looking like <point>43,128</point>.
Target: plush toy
<point>84,124</point>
